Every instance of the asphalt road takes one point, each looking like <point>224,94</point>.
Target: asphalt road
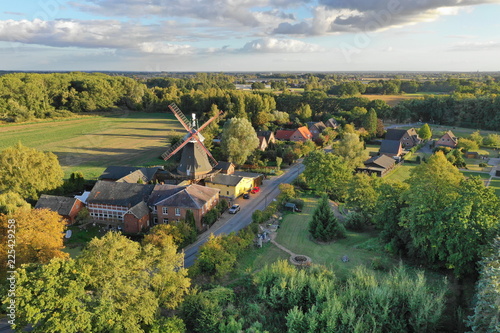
<point>268,191</point>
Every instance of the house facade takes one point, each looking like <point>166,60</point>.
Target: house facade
<point>299,134</point>
<point>171,202</point>
<point>230,186</point>
<point>448,140</point>
<point>408,138</point>
<point>68,208</point>
<point>109,202</point>
<point>316,128</point>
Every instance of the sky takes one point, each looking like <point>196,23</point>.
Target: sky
<point>250,35</point>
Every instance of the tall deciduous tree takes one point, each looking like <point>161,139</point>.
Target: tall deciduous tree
<point>324,226</point>
<point>12,201</point>
<point>114,286</point>
<point>39,235</point>
<point>425,132</point>
<point>352,150</point>
<point>477,137</point>
<point>433,187</point>
<point>327,173</point>
<point>239,140</point>
<point>28,171</point>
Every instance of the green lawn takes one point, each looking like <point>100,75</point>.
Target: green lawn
<point>495,184</point>
<point>90,144</point>
<point>372,149</point>
<point>361,248</point>
<point>401,172</point>
<point>80,238</point>
<point>482,175</point>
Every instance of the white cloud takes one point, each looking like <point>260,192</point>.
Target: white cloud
<point>338,16</point>
<point>91,34</point>
<point>476,46</point>
<point>273,45</point>
<point>165,48</point>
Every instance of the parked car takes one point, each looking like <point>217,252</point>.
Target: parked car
<point>255,190</point>
<point>246,196</point>
<point>234,209</point>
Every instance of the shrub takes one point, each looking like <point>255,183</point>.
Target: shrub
<point>210,217</point>
<point>483,165</point>
<point>298,202</point>
<point>356,221</point>
<point>222,206</point>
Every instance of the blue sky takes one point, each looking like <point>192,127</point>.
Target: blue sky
<point>250,35</point>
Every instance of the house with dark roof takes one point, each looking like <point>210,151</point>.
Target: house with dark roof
<point>269,135</point>
<point>332,123</point>
<point>68,208</point>
<point>299,134</point>
<point>120,204</point>
<point>448,140</point>
<point>126,174</point>
<point>262,143</point>
<point>171,202</point>
<point>225,167</point>
<point>230,186</point>
<point>316,128</point>
<point>391,148</point>
<point>408,138</point>
<point>378,165</point>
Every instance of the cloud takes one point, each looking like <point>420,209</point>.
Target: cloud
<point>339,16</point>
<point>90,34</point>
<point>229,13</point>
<point>475,46</point>
<point>273,45</point>
<point>166,48</point>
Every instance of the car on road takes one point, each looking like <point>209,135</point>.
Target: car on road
<point>234,209</point>
<point>246,196</point>
<point>255,190</point>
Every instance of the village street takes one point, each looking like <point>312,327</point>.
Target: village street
<point>229,222</point>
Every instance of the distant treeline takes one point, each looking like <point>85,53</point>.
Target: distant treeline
<point>472,103</point>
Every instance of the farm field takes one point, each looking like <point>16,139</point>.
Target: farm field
<point>90,144</point>
<point>393,100</point>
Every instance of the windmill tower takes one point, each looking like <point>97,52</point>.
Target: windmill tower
<point>196,160</point>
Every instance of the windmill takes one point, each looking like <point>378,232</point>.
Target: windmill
<point>196,160</point>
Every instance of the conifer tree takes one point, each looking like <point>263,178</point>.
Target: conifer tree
<point>324,226</point>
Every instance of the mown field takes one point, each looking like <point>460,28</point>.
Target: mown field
<point>90,144</point>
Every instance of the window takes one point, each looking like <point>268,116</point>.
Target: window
<point>164,210</point>
<point>155,209</point>
<point>155,220</point>
<point>177,212</point>
<point>227,192</point>
<point>165,221</point>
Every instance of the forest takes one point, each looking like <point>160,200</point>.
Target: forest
<point>457,101</point>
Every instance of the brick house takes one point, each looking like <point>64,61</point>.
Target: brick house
<point>316,128</point>
<point>299,134</point>
<point>408,138</point>
<point>448,140</point>
<point>171,202</point>
<point>68,208</point>
<point>120,205</point>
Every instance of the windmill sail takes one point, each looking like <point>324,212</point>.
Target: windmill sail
<point>196,160</point>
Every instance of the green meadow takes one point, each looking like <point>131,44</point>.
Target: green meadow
<point>90,144</point>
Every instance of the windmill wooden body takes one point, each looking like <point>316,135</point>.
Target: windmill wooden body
<point>196,161</point>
